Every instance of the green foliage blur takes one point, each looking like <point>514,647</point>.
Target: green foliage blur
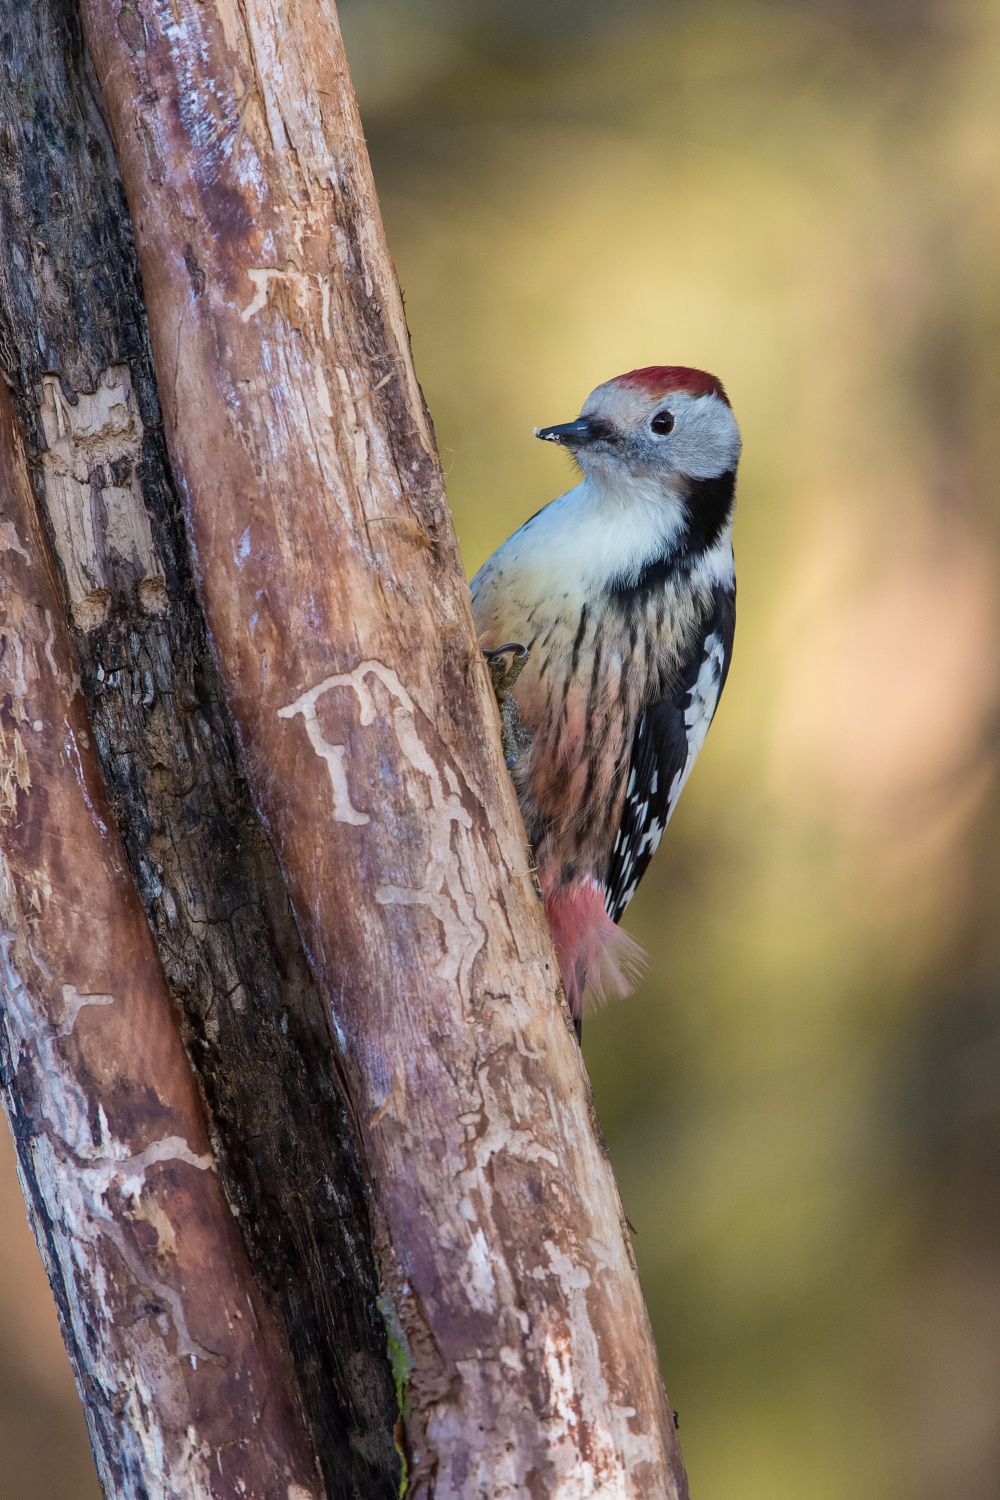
<point>802,1100</point>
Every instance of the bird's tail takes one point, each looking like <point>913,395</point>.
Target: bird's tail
<point>598,961</point>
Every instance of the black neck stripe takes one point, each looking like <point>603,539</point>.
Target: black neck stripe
<point>708,504</point>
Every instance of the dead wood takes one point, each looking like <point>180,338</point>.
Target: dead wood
<point>75,353</point>
<point>341,623</point>
<point>183,1375</point>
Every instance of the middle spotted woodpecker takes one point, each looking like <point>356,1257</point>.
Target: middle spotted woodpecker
<point>623,591</point>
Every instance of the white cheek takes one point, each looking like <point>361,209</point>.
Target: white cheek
<point>706,440</point>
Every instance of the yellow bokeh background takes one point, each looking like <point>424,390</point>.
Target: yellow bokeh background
<point>803,1098</point>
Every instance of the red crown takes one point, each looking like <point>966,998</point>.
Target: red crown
<point>657,380</point>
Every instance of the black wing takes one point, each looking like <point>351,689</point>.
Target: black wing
<point>665,746</point>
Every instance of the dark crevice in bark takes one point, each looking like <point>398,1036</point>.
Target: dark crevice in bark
<point>71,310</point>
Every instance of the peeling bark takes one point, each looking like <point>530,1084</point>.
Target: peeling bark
<point>74,350</point>
<point>183,1375</point>
<point>341,623</point>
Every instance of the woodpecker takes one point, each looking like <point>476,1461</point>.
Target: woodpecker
<point>617,602</point>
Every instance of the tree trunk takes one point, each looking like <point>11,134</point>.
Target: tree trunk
<point>342,632</point>
<point>339,614</point>
<point>186,1386</point>
<point>75,352</point>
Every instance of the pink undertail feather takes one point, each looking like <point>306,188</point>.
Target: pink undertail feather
<point>598,961</point>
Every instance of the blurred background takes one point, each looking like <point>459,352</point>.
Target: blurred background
<point>803,1099</point>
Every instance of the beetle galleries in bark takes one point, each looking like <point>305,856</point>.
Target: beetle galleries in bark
<point>186,1386</point>
<point>340,617</point>
<point>75,352</point>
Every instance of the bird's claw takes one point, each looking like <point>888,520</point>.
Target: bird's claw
<point>503,674</point>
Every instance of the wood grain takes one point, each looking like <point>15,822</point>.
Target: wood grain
<point>75,353</point>
<point>341,623</point>
<point>184,1378</point>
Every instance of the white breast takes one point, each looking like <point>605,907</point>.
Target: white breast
<point>576,544</point>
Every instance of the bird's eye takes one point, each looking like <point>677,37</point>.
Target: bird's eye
<point>663,422</point>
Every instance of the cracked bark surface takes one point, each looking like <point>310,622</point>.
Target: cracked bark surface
<point>184,1376</point>
<point>341,621</point>
<point>74,350</point>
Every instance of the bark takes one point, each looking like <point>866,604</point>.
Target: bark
<point>341,623</point>
<point>182,1373</point>
<point>74,348</point>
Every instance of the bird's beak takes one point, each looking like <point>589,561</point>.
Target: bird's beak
<point>573,434</point>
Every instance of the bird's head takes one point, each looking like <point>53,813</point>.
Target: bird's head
<point>667,424</point>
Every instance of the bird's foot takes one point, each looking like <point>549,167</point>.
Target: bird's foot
<point>504,674</point>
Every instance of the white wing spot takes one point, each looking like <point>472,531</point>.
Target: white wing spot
<point>704,698</point>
